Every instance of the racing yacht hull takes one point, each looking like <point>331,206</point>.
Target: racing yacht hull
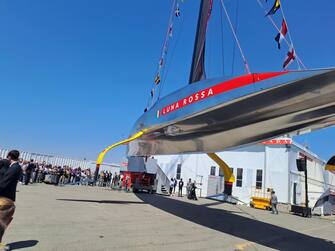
<point>214,115</point>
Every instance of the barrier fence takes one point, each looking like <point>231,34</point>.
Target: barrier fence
<point>49,159</point>
<point>60,161</point>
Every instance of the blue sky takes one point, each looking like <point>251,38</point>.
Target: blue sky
<point>76,74</point>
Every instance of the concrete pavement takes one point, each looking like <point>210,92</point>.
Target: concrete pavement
<point>92,218</point>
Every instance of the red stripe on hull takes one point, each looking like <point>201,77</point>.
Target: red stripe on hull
<point>218,89</point>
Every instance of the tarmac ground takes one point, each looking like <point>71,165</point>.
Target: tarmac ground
<point>92,218</point>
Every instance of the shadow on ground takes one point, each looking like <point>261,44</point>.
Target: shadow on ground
<point>246,228</point>
<point>105,201</point>
<point>22,244</point>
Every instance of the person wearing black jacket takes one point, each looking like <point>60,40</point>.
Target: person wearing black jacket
<point>8,183</point>
<point>193,193</point>
<point>4,165</point>
<point>180,186</point>
<point>30,168</point>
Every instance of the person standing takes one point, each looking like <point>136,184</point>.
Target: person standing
<point>127,184</point>
<point>23,177</point>
<point>180,188</point>
<point>4,165</point>
<point>193,191</point>
<point>111,180</point>
<point>62,177</point>
<point>274,202</point>
<point>188,188</point>
<point>35,172</point>
<point>171,186</point>
<point>30,168</point>
<point>174,185</point>
<point>8,183</point>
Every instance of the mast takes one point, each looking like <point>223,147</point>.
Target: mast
<point>198,61</point>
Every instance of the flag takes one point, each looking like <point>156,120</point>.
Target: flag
<point>289,58</point>
<point>274,9</point>
<point>165,48</point>
<point>161,61</point>
<point>281,35</point>
<point>177,11</point>
<point>157,79</point>
<point>170,30</point>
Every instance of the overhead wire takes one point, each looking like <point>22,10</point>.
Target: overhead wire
<point>151,100</point>
<point>246,65</point>
<point>209,48</point>
<point>169,62</point>
<point>288,31</point>
<point>222,47</point>
<point>234,45</point>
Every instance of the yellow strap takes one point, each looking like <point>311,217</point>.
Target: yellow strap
<point>135,136</point>
<point>228,175</point>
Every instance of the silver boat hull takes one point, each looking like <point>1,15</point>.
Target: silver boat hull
<point>289,103</point>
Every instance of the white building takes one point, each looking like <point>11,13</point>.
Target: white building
<point>271,164</point>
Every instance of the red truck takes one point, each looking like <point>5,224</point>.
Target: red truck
<point>139,181</point>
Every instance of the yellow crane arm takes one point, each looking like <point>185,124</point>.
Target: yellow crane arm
<point>228,175</point>
<point>103,153</point>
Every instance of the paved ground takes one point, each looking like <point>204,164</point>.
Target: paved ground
<point>86,218</point>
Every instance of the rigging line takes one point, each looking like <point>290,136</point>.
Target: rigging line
<point>288,31</point>
<point>235,28</point>
<point>236,39</point>
<point>209,47</point>
<point>169,25</point>
<point>165,44</point>
<point>222,47</point>
<point>278,30</point>
<point>167,68</point>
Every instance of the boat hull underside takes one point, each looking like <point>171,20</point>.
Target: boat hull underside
<point>290,108</point>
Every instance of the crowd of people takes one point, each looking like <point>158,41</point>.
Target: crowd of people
<point>107,179</point>
<point>14,170</point>
<point>35,172</point>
